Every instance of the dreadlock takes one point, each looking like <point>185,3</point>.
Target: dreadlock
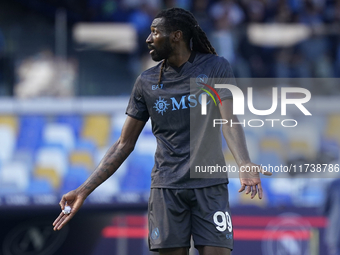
<point>180,19</point>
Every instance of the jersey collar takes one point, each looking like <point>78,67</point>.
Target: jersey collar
<point>190,60</point>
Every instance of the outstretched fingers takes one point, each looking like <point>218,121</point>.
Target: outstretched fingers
<point>260,190</point>
<point>248,189</point>
<point>253,189</point>
<point>243,186</point>
<point>62,220</point>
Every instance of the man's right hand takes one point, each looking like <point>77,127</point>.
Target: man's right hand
<point>113,158</point>
<point>75,201</point>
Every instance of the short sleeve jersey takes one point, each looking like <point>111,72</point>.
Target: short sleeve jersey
<point>170,106</point>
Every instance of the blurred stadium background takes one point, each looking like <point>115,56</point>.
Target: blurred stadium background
<point>67,68</point>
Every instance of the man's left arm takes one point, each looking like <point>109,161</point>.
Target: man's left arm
<point>235,138</point>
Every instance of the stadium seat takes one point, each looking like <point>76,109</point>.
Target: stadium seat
<point>52,157</point>
<point>86,145</point>
<point>137,177</point>
<point>147,131</point>
<point>277,191</point>
<point>110,187</point>
<point>59,134</point>
<point>74,177</point>
<point>279,133</point>
<point>39,187</point>
<point>117,122</point>
<point>329,150</point>
<point>81,158</point>
<point>14,176</point>
<point>253,142</point>
<point>228,156</point>
<point>245,199</point>
<point>30,128</point>
<point>233,187</point>
<point>273,144</point>
<point>146,144</point>
<point>304,140</point>
<point>73,120</point>
<point>332,127</point>
<point>309,191</point>
<point>98,155</point>
<point>24,156</point>
<point>97,128</point>
<point>301,149</point>
<point>9,120</point>
<point>271,158</point>
<point>48,173</point>
<point>7,142</point>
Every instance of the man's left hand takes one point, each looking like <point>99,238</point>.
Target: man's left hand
<point>250,179</point>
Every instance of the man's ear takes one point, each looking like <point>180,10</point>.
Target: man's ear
<point>177,35</point>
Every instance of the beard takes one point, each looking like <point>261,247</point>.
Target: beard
<point>162,52</point>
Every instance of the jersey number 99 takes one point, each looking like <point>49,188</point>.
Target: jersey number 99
<point>223,221</point>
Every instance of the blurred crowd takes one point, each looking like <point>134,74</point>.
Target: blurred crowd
<point>45,75</point>
<point>306,33</point>
<point>225,22</point>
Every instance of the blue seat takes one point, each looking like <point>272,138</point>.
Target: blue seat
<point>15,175</point>
<point>276,133</point>
<point>273,192</point>
<point>74,120</point>
<point>39,186</point>
<point>52,156</point>
<point>138,174</point>
<point>329,148</point>
<point>267,158</point>
<point>74,177</point>
<point>30,132</point>
<point>86,145</point>
<point>59,133</point>
<point>117,123</point>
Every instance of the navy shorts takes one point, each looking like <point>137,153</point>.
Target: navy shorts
<point>177,214</point>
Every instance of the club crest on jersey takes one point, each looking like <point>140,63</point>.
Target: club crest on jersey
<point>202,81</point>
<point>155,234</point>
<point>161,105</point>
<point>202,78</point>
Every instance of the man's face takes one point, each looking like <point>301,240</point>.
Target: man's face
<point>158,41</point>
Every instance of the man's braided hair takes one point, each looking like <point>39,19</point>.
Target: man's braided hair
<point>180,19</point>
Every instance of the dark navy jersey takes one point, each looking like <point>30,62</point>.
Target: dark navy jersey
<point>184,137</point>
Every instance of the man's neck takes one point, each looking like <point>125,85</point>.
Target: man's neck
<point>179,58</point>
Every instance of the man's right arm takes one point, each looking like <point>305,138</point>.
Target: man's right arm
<point>114,157</point>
